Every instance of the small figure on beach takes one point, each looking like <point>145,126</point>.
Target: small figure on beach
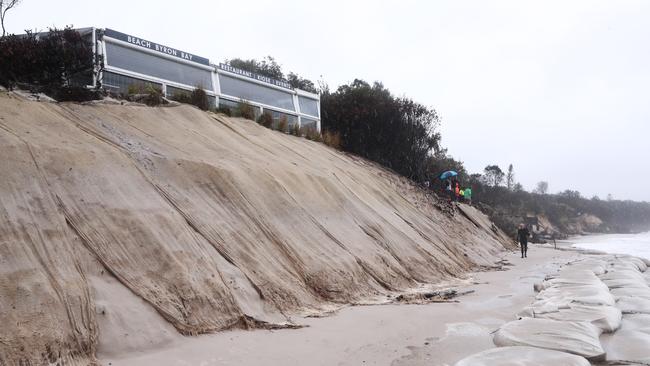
<point>522,237</point>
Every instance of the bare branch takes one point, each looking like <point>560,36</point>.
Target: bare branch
<point>5,5</point>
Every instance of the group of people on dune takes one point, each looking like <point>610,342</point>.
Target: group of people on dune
<point>452,188</point>
<point>456,193</point>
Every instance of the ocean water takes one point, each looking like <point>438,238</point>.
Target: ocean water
<point>633,244</point>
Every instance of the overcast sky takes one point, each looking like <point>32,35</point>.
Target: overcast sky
<point>560,89</point>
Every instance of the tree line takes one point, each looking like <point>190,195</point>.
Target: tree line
<point>507,203</point>
<point>268,66</point>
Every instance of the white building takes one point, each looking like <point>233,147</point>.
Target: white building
<point>130,60</point>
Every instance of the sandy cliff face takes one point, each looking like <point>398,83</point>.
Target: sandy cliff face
<point>213,222</point>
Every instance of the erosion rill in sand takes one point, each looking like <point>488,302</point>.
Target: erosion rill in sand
<point>214,222</point>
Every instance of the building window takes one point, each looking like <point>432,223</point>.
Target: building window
<point>174,93</point>
<point>308,106</point>
<point>227,104</point>
<point>308,123</point>
<point>290,119</point>
<point>159,67</point>
<point>255,92</point>
<point>120,84</point>
<point>233,107</point>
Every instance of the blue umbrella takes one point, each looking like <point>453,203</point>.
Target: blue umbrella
<point>447,174</point>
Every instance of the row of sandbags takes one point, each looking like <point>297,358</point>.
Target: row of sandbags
<point>570,312</point>
<point>628,280</point>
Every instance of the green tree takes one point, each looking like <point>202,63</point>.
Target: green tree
<point>301,83</point>
<point>518,187</point>
<point>440,162</point>
<point>267,66</point>
<point>570,194</point>
<point>542,187</point>
<point>494,175</point>
<point>395,132</point>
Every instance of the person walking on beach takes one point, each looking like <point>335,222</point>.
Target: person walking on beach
<point>522,236</point>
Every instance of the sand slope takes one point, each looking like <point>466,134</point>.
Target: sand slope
<point>215,223</point>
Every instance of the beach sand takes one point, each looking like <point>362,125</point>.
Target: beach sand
<point>395,334</point>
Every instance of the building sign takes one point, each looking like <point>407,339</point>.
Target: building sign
<point>156,47</point>
<point>252,75</point>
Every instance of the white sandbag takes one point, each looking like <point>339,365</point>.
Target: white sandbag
<point>622,273</point>
<point>580,338</point>
<point>631,292</point>
<point>633,305</point>
<point>638,262</point>
<point>624,278</point>
<point>629,263</point>
<point>625,283</point>
<point>623,266</point>
<point>579,276</point>
<point>540,307</point>
<point>637,322</point>
<point>550,305</point>
<point>628,346</point>
<point>606,318</point>
<point>575,285</point>
<point>522,356</point>
<point>585,294</point>
<point>597,266</point>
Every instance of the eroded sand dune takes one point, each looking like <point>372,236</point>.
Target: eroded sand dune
<point>213,222</point>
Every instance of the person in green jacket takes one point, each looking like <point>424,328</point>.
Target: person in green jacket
<point>467,194</point>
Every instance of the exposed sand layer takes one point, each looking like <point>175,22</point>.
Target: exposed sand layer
<point>390,335</point>
<point>122,226</point>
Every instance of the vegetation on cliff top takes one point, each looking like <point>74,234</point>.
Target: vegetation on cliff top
<point>59,64</point>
